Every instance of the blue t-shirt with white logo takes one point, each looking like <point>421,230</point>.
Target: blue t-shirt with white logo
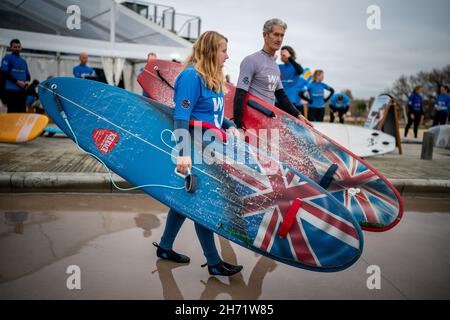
<point>194,100</point>
<point>80,70</point>
<point>415,102</point>
<point>302,84</point>
<point>443,101</point>
<point>316,92</point>
<point>17,67</point>
<point>339,104</point>
<point>289,79</point>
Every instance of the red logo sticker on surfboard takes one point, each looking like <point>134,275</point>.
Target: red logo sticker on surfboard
<point>105,140</point>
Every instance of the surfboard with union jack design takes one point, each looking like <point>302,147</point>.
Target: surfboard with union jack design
<point>370,197</point>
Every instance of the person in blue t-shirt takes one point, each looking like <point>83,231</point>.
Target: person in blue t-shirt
<point>339,103</point>
<point>290,71</point>
<point>198,95</point>
<point>83,70</point>
<point>15,70</point>
<point>415,110</point>
<point>316,100</point>
<point>441,106</point>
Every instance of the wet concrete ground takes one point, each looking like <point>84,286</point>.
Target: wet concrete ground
<point>110,238</point>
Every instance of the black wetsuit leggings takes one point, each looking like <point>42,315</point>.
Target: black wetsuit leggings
<point>416,121</point>
<point>300,109</point>
<point>316,114</point>
<point>16,101</point>
<point>340,111</point>
<point>440,118</point>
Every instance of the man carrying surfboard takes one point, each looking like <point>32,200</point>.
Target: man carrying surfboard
<point>260,75</point>
<point>198,95</point>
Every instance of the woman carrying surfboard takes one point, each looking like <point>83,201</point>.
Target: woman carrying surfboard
<point>316,100</point>
<point>198,96</point>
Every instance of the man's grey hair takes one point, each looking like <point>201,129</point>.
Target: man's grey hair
<point>268,26</point>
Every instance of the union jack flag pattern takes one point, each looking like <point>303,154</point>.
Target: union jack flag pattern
<point>364,193</point>
<point>324,235</point>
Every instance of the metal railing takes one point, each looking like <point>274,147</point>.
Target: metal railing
<point>184,25</point>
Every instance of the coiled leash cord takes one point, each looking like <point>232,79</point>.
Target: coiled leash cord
<point>190,180</point>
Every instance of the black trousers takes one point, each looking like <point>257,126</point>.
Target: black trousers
<point>440,117</point>
<point>316,114</point>
<point>416,121</point>
<point>300,109</point>
<point>340,111</point>
<point>16,101</point>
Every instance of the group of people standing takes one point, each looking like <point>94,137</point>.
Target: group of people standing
<point>18,91</point>
<point>309,98</point>
<point>416,113</point>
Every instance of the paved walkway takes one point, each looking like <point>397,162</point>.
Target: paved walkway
<point>57,160</point>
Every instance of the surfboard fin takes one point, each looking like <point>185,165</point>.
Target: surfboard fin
<point>289,218</point>
<point>328,176</point>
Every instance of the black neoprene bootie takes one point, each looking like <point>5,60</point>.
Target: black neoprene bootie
<point>171,255</point>
<point>223,269</point>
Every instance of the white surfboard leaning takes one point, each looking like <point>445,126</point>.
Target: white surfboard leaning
<point>361,141</point>
<point>441,136</point>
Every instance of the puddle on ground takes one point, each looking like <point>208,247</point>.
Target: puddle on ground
<point>110,238</point>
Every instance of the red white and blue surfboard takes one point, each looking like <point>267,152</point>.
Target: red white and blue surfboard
<point>260,203</point>
<point>370,197</point>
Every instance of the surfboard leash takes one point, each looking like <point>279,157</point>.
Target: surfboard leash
<point>190,184</point>
<point>163,79</point>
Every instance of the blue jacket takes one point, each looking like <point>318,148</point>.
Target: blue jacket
<point>415,102</point>
<point>443,101</point>
<point>80,70</point>
<point>16,69</point>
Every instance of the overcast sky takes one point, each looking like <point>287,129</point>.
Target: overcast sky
<point>332,35</point>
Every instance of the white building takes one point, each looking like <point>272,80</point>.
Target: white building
<point>116,38</point>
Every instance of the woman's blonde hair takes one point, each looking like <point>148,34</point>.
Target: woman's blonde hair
<point>205,59</point>
<point>316,75</point>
